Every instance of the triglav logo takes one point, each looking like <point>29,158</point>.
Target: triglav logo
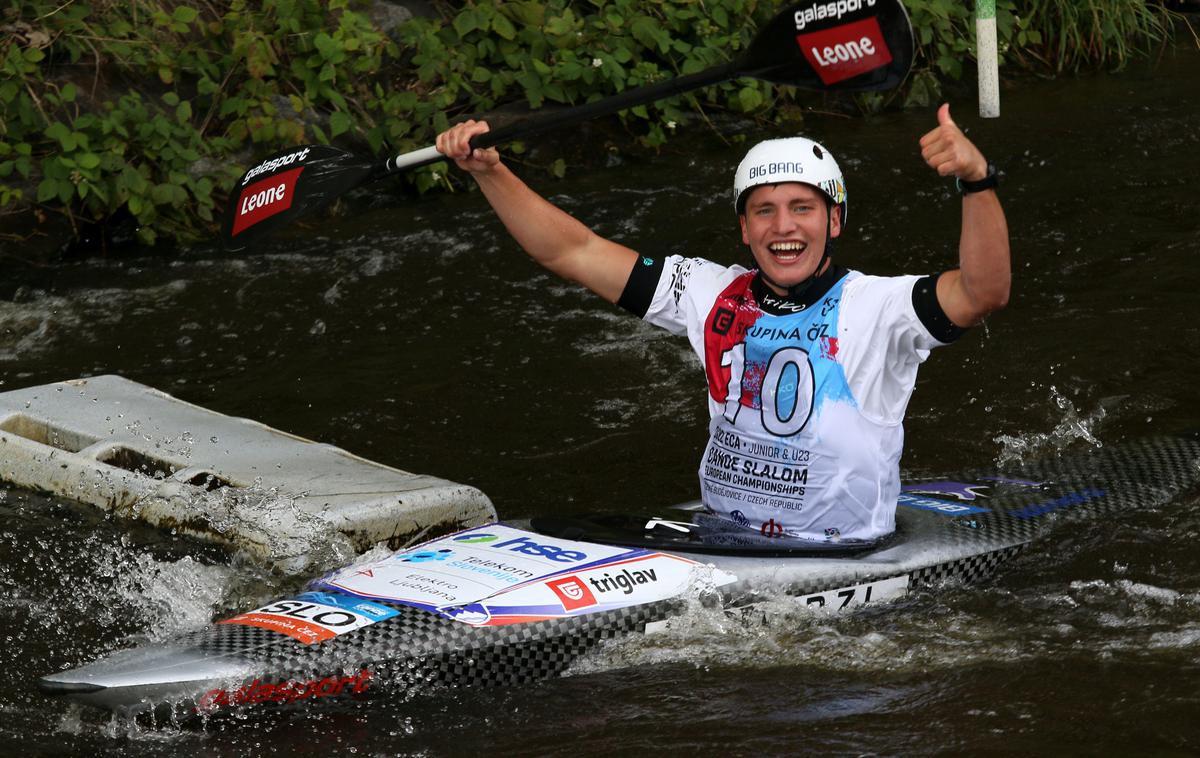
<point>572,593</point>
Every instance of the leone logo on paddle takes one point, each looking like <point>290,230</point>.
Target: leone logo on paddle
<point>265,198</point>
<point>846,51</point>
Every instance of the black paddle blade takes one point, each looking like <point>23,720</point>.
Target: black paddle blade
<point>845,45</point>
<point>287,185</point>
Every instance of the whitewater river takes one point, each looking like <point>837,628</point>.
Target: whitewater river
<point>417,335</point>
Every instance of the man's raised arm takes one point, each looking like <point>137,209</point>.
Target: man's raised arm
<point>551,236</point>
<point>980,284</point>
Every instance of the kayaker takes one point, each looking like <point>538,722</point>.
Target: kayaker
<point>810,365</point>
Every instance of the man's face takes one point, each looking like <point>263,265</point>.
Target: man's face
<point>785,225</point>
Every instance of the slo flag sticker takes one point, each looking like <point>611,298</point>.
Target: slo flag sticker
<point>315,616</point>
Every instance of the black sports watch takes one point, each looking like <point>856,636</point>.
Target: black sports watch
<point>991,181</point>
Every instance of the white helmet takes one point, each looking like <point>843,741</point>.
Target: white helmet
<point>792,159</point>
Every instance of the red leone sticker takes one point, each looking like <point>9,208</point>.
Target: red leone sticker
<point>265,198</point>
<point>846,51</point>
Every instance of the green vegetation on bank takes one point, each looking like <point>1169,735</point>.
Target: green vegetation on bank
<point>152,107</point>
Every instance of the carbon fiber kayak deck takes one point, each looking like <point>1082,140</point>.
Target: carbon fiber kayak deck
<point>960,529</point>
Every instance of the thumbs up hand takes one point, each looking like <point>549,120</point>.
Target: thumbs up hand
<point>948,151</point>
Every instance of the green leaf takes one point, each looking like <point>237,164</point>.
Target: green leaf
<point>339,123</point>
<point>47,190</point>
<point>185,15</point>
<point>559,168</point>
<point>503,27</point>
<point>749,99</point>
<point>465,22</point>
<point>326,45</point>
<point>58,131</point>
<point>162,194</point>
<point>88,160</point>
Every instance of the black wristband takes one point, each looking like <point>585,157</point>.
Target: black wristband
<point>991,181</point>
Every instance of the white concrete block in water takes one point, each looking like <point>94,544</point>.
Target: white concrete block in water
<point>141,453</point>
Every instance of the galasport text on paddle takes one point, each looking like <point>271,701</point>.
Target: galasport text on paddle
<point>826,45</point>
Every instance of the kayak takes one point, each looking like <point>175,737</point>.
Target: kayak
<point>512,602</point>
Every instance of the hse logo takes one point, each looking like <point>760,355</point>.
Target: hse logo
<point>572,593</point>
<point>476,539</point>
<point>523,545</point>
<point>527,546</point>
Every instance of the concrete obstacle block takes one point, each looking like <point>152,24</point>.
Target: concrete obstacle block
<point>136,451</point>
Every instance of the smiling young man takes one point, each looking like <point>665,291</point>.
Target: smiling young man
<point>809,365</point>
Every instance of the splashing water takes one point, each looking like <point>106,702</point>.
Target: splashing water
<point>295,538</point>
<point>1070,428</point>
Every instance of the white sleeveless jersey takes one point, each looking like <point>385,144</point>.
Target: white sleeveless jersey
<point>806,408</point>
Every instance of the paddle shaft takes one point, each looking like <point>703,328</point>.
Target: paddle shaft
<point>574,115</point>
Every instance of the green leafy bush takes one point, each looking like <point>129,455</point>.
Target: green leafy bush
<point>142,105</point>
<point>152,107</point>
